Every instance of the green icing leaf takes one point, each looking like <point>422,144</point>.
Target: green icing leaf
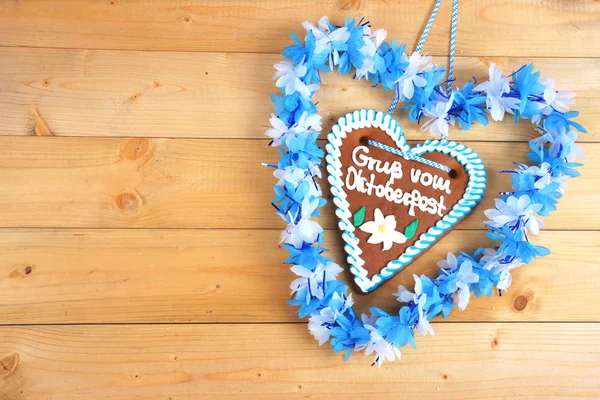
<point>411,229</point>
<point>359,216</point>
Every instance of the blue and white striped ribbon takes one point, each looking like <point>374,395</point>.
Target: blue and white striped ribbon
<point>452,44</point>
<point>418,50</point>
<point>428,26</point>
<point>422,42</point>
<point>407,155</point>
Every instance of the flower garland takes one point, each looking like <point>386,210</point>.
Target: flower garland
<point>420,86</point>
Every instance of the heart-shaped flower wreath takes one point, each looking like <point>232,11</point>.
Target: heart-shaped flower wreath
<point>423,89</point>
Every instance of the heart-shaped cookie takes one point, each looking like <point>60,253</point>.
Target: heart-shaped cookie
<point>394,201</point>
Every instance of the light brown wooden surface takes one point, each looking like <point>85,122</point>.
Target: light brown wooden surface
<point>138,249</point>
<point>165,183</point>
<point>487,27</point>
<point>217,95</point>
<point>222,275</point>
<point>279,361</point>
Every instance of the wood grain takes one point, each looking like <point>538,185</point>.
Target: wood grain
<point>162,94</point>
<point>183,183</point>
<point>486,27</point>
<point>151,362</point>
<point>136,231</point>
<point>166,276</point>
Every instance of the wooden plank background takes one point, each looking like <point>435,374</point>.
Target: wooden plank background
<point>138,250</point>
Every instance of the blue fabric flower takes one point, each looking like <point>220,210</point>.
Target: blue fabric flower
<point>289,108</point>
<point>516,245</point>
<point>305,54</point>
<point>528,87</point>
<point>468,107</point>
<point>397,330</point>
<point>349,334</point>
<point>353,57</point>
<point>423,97</point>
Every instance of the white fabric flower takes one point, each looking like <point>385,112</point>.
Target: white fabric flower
<point>304,230</point>
<point>288,77</point>
<point>439,121</point>
<point>279,131</point>
<point>383,230</point>
<point>296,176</point>
<point>465,277</point>
<point>324,38</point>
<point>423,325</point>
<point>449,264</point>
<point>383,350</point>
<point>496,263</point>
<point>410,78</point>
<point>513,212</point>
<point>403,295</point>
<point>494,89</point>
<point>314,281</point>
<point>556,100</point>
<point>372,43</point>
<point>308,122</point>
<point>543,175</point>
<point>320,324</point>
<point>559,138</point>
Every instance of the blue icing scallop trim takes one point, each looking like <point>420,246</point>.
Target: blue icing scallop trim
<point>464,155</point>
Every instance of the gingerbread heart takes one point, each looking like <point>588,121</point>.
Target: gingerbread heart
<point>394,201</point>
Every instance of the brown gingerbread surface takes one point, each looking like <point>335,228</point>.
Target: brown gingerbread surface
<point>373,255</point>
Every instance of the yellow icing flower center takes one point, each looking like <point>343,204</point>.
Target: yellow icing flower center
<point>382,228</point>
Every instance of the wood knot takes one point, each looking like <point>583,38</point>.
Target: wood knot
<point>9,365</point>
<point>495,343</point>
<point>135,148</point>
<point>520,303</point>
<point>127,202</point>
<point>347,5</point>
<point>22,272</point>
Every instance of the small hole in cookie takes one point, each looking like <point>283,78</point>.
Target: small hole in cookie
<point>452,173</point>
<point>364,141</point>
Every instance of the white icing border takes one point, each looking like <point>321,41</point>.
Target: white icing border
<point>464,155</point>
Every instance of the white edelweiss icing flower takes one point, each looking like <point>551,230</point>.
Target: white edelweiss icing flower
<point>439,121</point>
<point>383,230</point>
<point>515,212</point>
<point>494,89</point>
